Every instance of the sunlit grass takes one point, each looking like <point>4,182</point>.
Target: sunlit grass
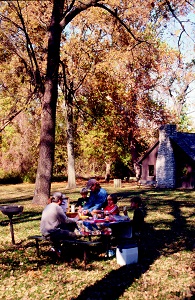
<point>164,271</point>
<point>167,278</point>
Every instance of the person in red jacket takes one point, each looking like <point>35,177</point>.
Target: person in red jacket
<point>112,207</point>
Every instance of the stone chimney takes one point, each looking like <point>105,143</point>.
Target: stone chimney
<point>165,163</point>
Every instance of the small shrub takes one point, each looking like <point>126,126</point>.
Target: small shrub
<point>10,178</point>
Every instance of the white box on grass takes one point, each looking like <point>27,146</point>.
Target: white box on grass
<point>127,254</point>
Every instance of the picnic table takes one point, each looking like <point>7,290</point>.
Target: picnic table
<point>116,228</point>
<point>89,233</point>
<point>102,226</point>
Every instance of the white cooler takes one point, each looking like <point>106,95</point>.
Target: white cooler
<point>127,254</point>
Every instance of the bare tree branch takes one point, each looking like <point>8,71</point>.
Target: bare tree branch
<point>115,14</point>
<point>74,11</point>
<point>31,53</point>
<point>9,118</point>
<point>190,3</point>
<point>14,112</point>
<point>178,20</point>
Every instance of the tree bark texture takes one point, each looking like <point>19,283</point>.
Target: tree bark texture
<point>107,175</point>
<point>70,139</point>
<point>47,136</point>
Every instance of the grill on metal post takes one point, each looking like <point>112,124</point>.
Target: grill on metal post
<point>10,211</point>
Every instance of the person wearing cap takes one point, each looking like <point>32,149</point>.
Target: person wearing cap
<point>54,220</point>
<point>82,200</point>
<point>97,197</point>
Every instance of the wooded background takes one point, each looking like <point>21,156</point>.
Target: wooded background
<point>85,85</point>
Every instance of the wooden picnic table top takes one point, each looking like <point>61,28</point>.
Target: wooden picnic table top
<point>91,227</point>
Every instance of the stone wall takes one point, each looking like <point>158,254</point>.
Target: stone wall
<point>165,163</point>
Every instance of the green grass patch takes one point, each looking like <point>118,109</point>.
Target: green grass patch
<point>165,269</point>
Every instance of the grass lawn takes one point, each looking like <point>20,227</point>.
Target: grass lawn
<point>165,269</point>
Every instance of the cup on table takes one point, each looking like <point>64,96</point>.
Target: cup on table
<point>72,208</point>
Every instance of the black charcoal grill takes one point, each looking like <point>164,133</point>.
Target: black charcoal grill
<point>10,211</point>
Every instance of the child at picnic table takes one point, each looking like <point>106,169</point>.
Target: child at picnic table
<point>138,216</point>
<point>83,199</point>
<point>111,207</point>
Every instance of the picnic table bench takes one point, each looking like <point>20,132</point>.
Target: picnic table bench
<point>91,233</point>
<point>83,244</point>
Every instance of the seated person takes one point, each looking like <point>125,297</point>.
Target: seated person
<point>138,216</point>
<point>97,197</point>
<point>82,200</point>
<point>54,220</point>
<point>65,201</point>
<point>111,208</point>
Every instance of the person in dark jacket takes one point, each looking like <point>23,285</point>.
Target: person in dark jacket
<point>83,199</point>
<point>138,216</point>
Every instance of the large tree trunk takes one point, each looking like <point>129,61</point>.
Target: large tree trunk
<point>47,136</point>
<point>70,139</point>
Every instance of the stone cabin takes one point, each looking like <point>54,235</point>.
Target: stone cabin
<point>170,162</point>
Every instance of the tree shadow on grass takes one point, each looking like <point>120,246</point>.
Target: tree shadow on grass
<point>113,285</point>
<point>155,242</point>
<point>14,201</point>
<point>160,237</point>
<point>26,216</point>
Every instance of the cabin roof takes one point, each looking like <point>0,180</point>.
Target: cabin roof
<point>186,141</point>
<point>148,151</point>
